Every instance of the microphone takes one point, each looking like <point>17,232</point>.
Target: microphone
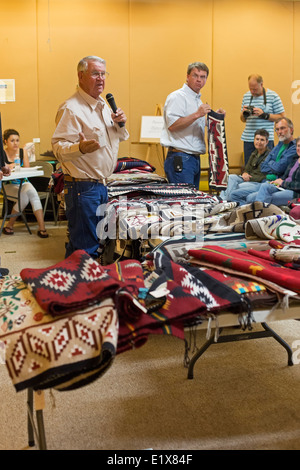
<point>112,104</point>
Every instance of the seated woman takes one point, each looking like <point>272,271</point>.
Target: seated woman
<point>282,190</point>
<point>250,180</point>
<point>11,140</point>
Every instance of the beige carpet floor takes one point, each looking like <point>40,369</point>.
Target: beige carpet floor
<point>243,395</point>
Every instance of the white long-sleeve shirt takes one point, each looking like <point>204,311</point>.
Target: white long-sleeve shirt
<point>82,113</point>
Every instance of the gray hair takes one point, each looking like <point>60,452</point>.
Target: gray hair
<point>199,66</point>
<point>287,120</point>
<point>83,63</point>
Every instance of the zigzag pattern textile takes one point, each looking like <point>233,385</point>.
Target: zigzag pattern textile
<point>217,151</point>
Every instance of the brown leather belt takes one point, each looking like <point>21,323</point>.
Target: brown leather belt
<point>172,149</point>
<point>93,180</point>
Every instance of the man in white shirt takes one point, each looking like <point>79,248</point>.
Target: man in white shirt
<point>86,142</point>
<point>184,128</point>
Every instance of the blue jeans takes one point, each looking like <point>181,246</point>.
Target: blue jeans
<point>190,169</point>
<point>244,192</point>
<point>83,199</point>
<point>271,194</point>
<point>234,182</point>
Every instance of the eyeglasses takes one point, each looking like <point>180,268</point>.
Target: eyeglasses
<point>99,75</point>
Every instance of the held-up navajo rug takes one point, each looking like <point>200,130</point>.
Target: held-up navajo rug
<point>217,151</point>
<point>63,352</point>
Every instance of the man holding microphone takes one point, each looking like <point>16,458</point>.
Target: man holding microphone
<point>86,142</point>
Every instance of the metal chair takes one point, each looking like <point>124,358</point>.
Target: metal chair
<point>43,186</point>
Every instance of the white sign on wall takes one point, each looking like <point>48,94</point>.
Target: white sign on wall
<point>151,128</point>
<point>7,90</point>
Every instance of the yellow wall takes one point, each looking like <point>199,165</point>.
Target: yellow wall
<point>148,45</point>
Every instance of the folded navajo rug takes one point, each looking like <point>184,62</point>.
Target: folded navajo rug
<point>237,220</point>
<point>129,177</point>
<point>161,190</point>
<point>79,281</point>
<point>288,256</point>
<point>217,151</point>
<point>255,292</point>
<point>125,163</point>
<point>177,248</point>
<point>248,264</point>
<point>124,216</point>
<point>177,296</point>
<point>63,352</point>
<point>279,226</point>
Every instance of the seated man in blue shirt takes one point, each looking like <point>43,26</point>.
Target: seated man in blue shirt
<point>184,128</point>
<point>276,162</point>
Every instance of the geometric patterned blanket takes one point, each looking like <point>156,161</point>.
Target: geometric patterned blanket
<point>259,267</point>
<point>278,227</point>
<point>236,220</point>
<point>177,296</point>
<point>62,326</point>
<point>79,281</point>
<point>189,297</point>
<point>64,352</point>
<point>217,151</point>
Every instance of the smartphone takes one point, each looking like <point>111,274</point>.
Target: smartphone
<point>177,161</point>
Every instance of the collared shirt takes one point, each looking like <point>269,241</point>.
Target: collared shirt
<point>182,103</point>
<point>253,166</point>
<point>82,113</point>
<point>271,165</point>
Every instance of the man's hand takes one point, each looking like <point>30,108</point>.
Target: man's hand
<point>221,111</point>
<point>87,146</point>
<point>203,110</point>
<point>119,116</point>
<point>257,112</point>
